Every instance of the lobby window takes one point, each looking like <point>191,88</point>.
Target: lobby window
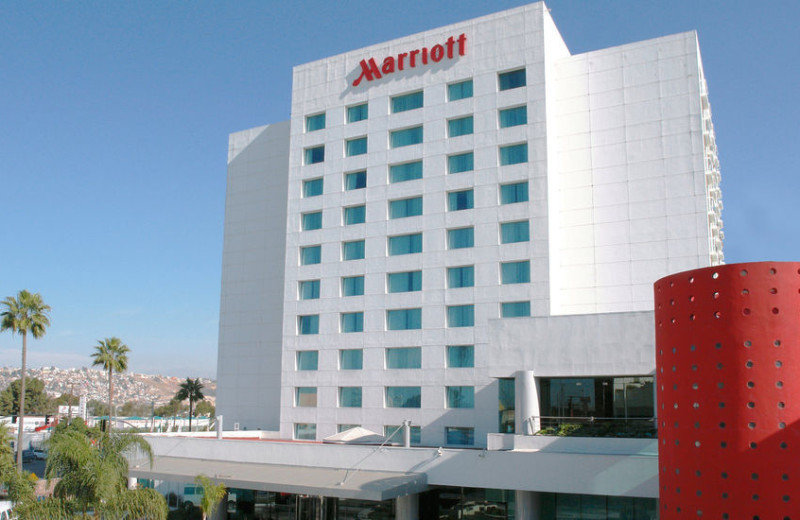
<point>404,357</point>
<point>351,359</point>
<point>458,277</point>
<point>461,316</point>
<point>404,282</point>
<point>460,238</point>
<point>308,324</point>
<point>511,79</point>
<point>355,147</point>
<point>515,272</point>
<point>459,436</point>
<point>357,113</point>
<point>460,396</point>
<point>350,396</point>
<point>407,102</point>
<point>315,122</point>
<point>462,162</point>
<point>511,232</point>
<point>405,137</point>
<point>305,431</point>
<point>305,396</point>
<point>513,116</point>
<point>402,208</point>
<point>460,200</point>
<point>404,319</point>
<point>460,126</point>
<point>310,255</point>
<point>355,215</point>
<point>344,427</point>
<point>355,180</point>
<point>314,155</point>
<point>515,309</point>
<point>405,172</point>
<point>403,396</point>
<point>352,286</point>
<point>513,193</point>
<point>309,289</point>
<point>312,221</point>
<point>307,360</point>
<point>394,434</point>
<point>460,90</point>
<point>461,356</point>
<point>352,322</point>
<point>353,250</point>
<point>312,187</point>
<point>513,154</point>
<point>405,244</point>
<point>625,397</point>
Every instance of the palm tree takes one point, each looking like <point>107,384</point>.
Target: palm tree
<point>212,494</point>
<point>191,389</point>
<point>26,314</point>
<point>112,355</point>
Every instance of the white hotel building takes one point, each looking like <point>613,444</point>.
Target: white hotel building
<point>460,229</point>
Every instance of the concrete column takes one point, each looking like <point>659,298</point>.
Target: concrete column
<point>526,403</point>
<point>219,427</point>
<point>407,433</point>
<point>528,505</point>
<point>407,507</point>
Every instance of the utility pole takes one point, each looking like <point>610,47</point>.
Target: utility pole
<point>69,402</point>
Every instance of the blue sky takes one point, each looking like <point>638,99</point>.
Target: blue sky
<point>114,119</point>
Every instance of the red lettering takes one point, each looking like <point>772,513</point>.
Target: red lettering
<point>369,70</point>
<point>450,43</point>
<point>400,58</point>
<point>437,53</point>
<point>412,56</point>
<point>462,47</point>
<point>424,55</point>
<point>388,65</point>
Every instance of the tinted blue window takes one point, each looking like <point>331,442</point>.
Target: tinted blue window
<point>407,102</point>
<point>460,276</point>
<point>355,147</point>
<point>405,282</point>
<point>459,200</point>
<point>306,396</point>
<point>461,316</point>
<point>352,286</point>
<point>405,357</point>
<point>312,221</point>
<point>305,431</point>
<point>357,113</point>
<point>394,434</point>
<point>351,359</point>
<point>512,79</point>
<point>461,436</point>
<point>355,181</point>
<point>403,396</point>
<point>352,322</point>
<point>316,122</point>
<point>309,290</point>
<point>308,324</point>
<point>310,255</point>
<point>405,172</point>
<point>307,360</point>
<point>460,238</point>
<point>353,250</point>
<point>513,193</point>
<point>460,126</point>
<point>460,90</point>
<point>355,215</point>
<point>516,309</point>
<point>405,244</point>
<point>404,319</point>
<point>460,397</point>
<point>315,155</point>
<point>463,162</point>
<point>516,272</point>
<point>511,232</point>
<point>514,154</point>
<point>406,137</point>
<point>350,397</point>
<point>405,207</point>
<point>461,356</point>
<point>513,116</point>
<point>312,188</point>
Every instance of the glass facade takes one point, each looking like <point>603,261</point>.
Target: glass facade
<point>405,244</point>
<point>459,435</point>
<point>394,434</point>
<point>355,180</point>
<point>409,281</point>
<point>309,289</point>
<point>506,395</point>
<point>515,309</point>
<point>312,221</point>
<point>460,356</point>
<point>404,319</point>
<point>312,187</point>
<point>461,316</point>
<point>307,360</point>
<point>308,324</point>
<point>513,116</point>
<point>460,396</point>
<point>353,250</point>
<point>556,506</point>
<point>511,232</point>
<point>352,285</point>
<point>405,137</point>
<point>511,79</point>
<point>460,126</point>
<point>352,322</point>
<point>403,396</point>
<point>460,90</point>
<point>350,397</point>
<point>314,155</point>
<point>355,215</point>
<point>357,113</point>
<point>305,396</point>
<point>513,193</point>
<point>402,208</point>
<point>513,154</point>
<point>407,102</point>
<point>405,172</point>
<point>351,359</point>
<point>404,357</point>
<point>315,122</point>
<point>460,200</point>
<point>463,276</point>
<point>462,162</point>
<point>310,255</point>
<point>460,238</point>
<point>355,147</point>
<point>515,272</point>
<point>602,397</point>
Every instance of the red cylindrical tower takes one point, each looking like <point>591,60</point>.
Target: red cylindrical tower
<point>728,379</point>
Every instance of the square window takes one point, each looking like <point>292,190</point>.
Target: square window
<point>351,359</point>
<point>355,180</point>
<point>513,154</point>
<point>460,126</point>
<point>394,434</point>
<point>353,250</point>
<point>309,289</point>
<point>308,324</point>
<point>511,79</point>
<point>355,215</point>
<point>460,90</point>
<point>352,322</point>
<point>315,122</point>
<point>350,397</point>
<point>460,238</point>
<point>516,310</point>
<point>307,360</point>
<point>403,208</point>
<point>404,282</point>
<point>460,200</point>
<point>312,221</point>
<point>461,316</point>
<point>352,286</point>
<point>460,397</point>
<point>344,427</point>
<point>405,137</point>
<point>461,356</point>
<point>310,255</point>
<point>463,162</point>
<point>405,244</point>
<point>357,113</point>
<point>314,155</point>
<point>403,396</point>
<point>511,232</point>
<point>355,147</point>
<point>405,172</point>
<point>460,276</point>
<point>459,436</point>
<point>404,319</point>
<point>513,116</point>
<point>404,357</point>
<point>407,102</point>
<point>305,431</point>
<point>513,193</point>
<point>515,272</point>
<point>305,396</point>
<point>312,187</point>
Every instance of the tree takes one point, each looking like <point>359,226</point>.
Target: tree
<point>212,494</point>
<point>134,408</point>
<point>191,389</point>
<point>112,355</point>
<point>173,407</point>
<point>95,407</point>
<point>36,400</point>
<point>204,408</point>
<point>23,315</point>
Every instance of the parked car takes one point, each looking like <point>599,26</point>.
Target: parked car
<point>39,454</point>
<point>28,456</point>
